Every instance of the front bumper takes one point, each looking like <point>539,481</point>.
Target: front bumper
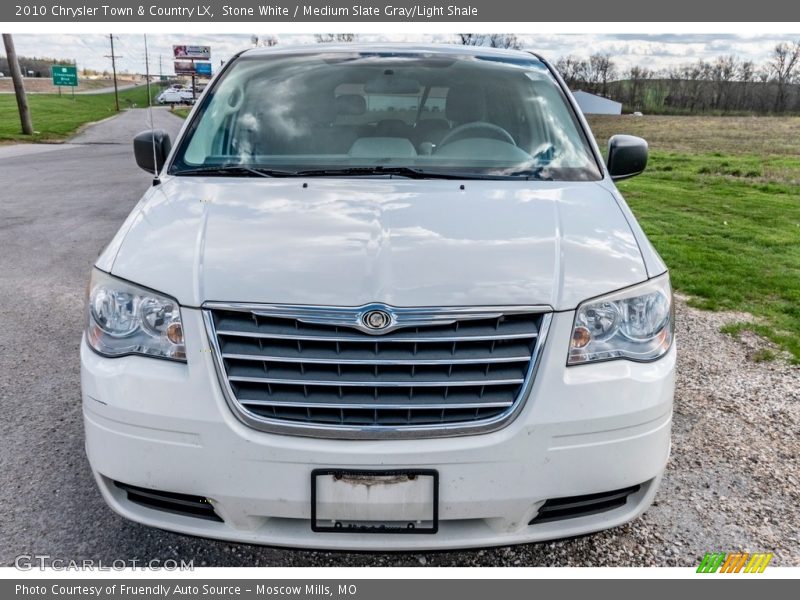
<point>583,430</point>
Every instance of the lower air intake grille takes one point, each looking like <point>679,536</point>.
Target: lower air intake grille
<point>322,371</point>
<point>182,504</point>
<point>582,506</point>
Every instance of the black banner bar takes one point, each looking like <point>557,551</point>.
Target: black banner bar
<point>382,11</point>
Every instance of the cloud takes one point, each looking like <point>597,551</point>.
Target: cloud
<point>656,51</point>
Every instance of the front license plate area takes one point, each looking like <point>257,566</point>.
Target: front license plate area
<point>356,501</point>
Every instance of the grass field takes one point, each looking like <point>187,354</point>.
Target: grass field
<point>55,118</point>
<point>44,85</point>
<point>720,200</point>
<point>181,111</point>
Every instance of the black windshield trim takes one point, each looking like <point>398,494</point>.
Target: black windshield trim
<point>408,172</point>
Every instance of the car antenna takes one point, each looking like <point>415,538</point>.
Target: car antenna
<point>156,180</point>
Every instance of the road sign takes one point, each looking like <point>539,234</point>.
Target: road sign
<point>66,75</point>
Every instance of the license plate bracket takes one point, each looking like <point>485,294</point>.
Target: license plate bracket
<point>416,491</point>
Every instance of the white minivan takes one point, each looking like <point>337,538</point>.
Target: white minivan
<point>175,96</point>
<point>381,298</point>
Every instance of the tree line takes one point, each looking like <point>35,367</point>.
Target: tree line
<point>32,66</point>
<point>726,84</point>
<point>723,85</point>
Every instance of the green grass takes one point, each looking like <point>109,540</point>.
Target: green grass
<point>720,200</point>
<point>55,118</point>
<point>729,229</point>
<point>180,111</point>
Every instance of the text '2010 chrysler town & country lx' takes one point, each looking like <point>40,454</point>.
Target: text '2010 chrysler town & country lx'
<point>381,298</point>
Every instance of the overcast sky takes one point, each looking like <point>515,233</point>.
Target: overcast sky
<point>653,51</point>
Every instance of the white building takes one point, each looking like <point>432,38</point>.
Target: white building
<point>592,104</point>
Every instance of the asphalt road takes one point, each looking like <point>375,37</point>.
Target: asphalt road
<point>731,484</point>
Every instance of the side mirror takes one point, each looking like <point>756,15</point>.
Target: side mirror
<point>146,157</point>
<point>627,156</point>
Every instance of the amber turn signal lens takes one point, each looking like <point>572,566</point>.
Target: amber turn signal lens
<point>175,333</point>
<point>580,337</point>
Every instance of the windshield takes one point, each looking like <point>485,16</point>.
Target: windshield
<point>427,114</point>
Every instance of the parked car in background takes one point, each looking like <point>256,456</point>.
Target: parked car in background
<point>175,96</point>
<point>333,325</point>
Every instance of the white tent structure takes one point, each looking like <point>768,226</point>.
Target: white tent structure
<point>592,104</point>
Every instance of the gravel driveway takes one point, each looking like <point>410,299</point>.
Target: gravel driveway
<point>731,485</point>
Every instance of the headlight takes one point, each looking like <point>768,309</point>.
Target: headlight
<point>125,319</point>
<point>636,323</point>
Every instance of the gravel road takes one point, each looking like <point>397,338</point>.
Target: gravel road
<point>731,484</point>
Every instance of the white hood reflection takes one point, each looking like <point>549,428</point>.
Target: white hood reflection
<point>349,242</point>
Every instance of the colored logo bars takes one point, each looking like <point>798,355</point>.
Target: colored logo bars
<point>743,562</point>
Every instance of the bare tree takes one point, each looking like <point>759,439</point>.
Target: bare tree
<point>636,88</point>
<point>268,41</point>
<point>470,39</point>
<point>504,40</point>
<point>327,38</point>
<point>19,87</point>
<point>494,40</point>
<point>746,75</point>
<point>782,66</point>
<point>722,71</point>
<point>600,70</point>
<point>573,70</point>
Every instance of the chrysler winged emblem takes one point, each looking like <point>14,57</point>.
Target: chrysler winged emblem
<point>376,320</point>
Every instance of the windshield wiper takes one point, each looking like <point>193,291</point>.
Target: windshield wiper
<point>232,170</point>
<point>235,171</point>
<point>410,172</point>
<point>534,173</point>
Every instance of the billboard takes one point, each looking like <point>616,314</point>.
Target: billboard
<point>192,52</point>
<point>203,69</point>
<point>185,67</point>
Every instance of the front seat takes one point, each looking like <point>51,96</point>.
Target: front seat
<point>465,103</point>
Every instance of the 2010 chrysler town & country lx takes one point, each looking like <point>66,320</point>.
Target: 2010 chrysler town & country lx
<point>381,298</point>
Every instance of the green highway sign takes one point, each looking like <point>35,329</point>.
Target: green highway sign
<point>66,75</point>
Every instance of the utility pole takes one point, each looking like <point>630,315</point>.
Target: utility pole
<point>160,71</point>
<point>147,71</point>
<point>114,69</point>
<point>19,87</point>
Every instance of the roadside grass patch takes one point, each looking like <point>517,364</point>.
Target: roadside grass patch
<point>57,117</point>
<point>730,245</point>
<point>720,200</point>
<point>180,111</point>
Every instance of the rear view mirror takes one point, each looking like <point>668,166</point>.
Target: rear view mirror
<point>151,148</point>
<point>388,83</point>
<point>627,156</point>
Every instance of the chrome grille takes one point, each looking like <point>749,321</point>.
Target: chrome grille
<point>319,371</point>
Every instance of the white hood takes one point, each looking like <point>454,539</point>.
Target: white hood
<point>402,242</point>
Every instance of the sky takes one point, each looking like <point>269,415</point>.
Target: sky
<point>654,51</point>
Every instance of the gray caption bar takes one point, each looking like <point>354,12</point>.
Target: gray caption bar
<point>336,11</point>
<point>388,589</point>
